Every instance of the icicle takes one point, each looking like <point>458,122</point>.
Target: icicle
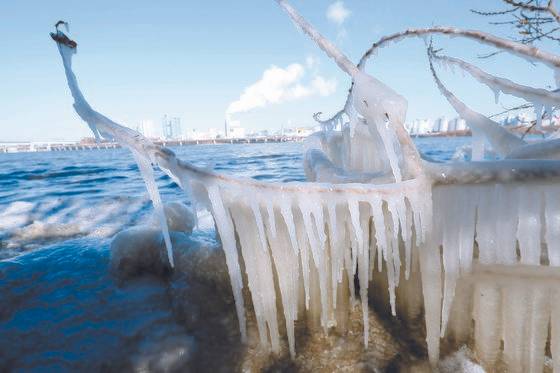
<point>555,330</point>
<point>227,235</point>
<point>314,227</point>
<point>506,223</point>
<point>467,204</point>
<point>259,222</point>
<point>515,327</point>
<point>407,237</point>
<point>303,245</point>
<point>287,268</point>
<point>286,211</point>
<point>496,96</point>
<point>460,320</point>
<point>271,219</point>
<point>529,229</point>
<point>487,327</point>
<point>477,145</point>
<point>487,215</point>
<point>335,249</point>
<point>394,209</point>
<point>538,108</point>
<point>552,220</point>
<point>538,329</point>
<point>258,266</point>
<point>363,262</point>
<point>147,173</point>
<point>363,267</point>
<point>430,269</point>
<point>384,248</point>
<point>450,226</point>
<point>548,110</point>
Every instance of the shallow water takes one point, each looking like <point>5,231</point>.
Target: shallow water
<point>60,309</point>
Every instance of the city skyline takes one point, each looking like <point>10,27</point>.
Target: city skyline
<point>133,68</point>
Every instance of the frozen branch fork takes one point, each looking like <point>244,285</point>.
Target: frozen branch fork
<point>455,243</point>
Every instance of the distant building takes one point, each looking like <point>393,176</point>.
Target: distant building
<point>171,128</point>
<point>234,130</point>
<point>298,131</point>
<point>461,124</point>
<point>149,129</point>
<point>443,124</point>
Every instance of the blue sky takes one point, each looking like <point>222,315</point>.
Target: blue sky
<point>142,59</point>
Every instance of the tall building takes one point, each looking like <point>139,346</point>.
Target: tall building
<point>171,128</point>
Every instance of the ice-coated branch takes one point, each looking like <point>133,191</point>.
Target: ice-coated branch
<point>145,153</point>
<point>374,100</point>
<point>330,123</point>
<point>525,51</point>
<point>329,48</point>
<point>547,149</point>
<point>537,96</point>
<point>503,141</point>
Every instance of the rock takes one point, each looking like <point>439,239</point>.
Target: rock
<point>165,354</point>
<point>137,251</point>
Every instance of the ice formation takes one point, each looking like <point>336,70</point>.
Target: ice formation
<point>454,242</point>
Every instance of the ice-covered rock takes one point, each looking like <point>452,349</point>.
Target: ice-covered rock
<point>180,218</point>
<point>137,251</point>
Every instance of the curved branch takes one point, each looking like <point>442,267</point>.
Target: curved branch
<point>329,48</point>
<point>548,98</point>
<point>144,151</point>
<point>519,49</point>
<point>503,141</point>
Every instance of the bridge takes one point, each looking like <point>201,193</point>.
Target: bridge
<point>19,147</point>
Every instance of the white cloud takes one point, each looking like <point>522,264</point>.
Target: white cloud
<point>279,85</point>
<point>337,13</point>
<point>323,86</point>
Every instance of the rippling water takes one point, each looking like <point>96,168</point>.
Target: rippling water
<point>60,309</point>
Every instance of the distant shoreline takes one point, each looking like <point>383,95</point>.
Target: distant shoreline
<point>90,144</point>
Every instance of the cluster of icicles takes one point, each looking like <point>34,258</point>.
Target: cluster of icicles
<point>442,237</point>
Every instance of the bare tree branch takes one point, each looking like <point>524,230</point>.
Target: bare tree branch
<point>531,20</point>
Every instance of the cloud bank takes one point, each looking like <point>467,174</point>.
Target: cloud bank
<point>278,85</point>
